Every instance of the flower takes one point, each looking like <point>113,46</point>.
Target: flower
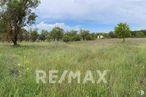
<point>27,69</point>
<point>19,65</point>
<point>141,92</point>
<point>24,56</point>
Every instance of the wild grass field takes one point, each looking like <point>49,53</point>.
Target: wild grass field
<point>126,63</point>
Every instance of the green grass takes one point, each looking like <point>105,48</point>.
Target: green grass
<point>126,62</point>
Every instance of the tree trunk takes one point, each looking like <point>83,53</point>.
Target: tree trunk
<point>15,43</point>
<point>15,38</point>
<point>123,39</point>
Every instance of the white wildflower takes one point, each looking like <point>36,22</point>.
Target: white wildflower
<point>141,92</point>
<point>19,65</point>
<point>27,69</point>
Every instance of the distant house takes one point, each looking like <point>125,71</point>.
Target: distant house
<point>100,37</point>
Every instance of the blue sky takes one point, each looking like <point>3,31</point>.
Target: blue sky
<point>94,15</point>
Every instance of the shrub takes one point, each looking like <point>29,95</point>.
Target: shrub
<point>71,36</point>
<point>139,34</point>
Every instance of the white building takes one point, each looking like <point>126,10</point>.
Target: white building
<point>100,37</point>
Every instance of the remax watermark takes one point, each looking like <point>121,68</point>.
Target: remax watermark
<point>53,76</point>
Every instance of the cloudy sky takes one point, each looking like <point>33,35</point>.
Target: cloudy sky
<point>94,15</point>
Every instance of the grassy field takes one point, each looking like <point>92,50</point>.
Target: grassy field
<point>125,61</point>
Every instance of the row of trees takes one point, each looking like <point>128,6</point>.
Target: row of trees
<point>133,34</point>
<point>122,30</point>
<point>56,34</point>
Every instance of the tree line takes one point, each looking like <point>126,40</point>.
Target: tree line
<point>133,34</point>
<point>59,34</point>
<point>56,34</point>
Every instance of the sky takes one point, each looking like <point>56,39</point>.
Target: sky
<point>93,15</point>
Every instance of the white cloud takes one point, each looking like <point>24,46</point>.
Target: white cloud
<point>75,9</point>
<point>45,26</point>
<point>99,11</point>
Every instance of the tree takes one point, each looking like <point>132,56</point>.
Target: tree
<point>71,36</point>
<point>144,31</point>
<point>94,36</point>
<point>84,34</point>
<point>34,36</point>
<point>112,35</point>
<point>16,14</point>
<point>122,30</point>
<point>140,34</point>
<point>57,33</point>
<point>2,25</point>
<point>48,37</point>
<point>43,35</point>
<point>26,36</point>
<point>23,35</point>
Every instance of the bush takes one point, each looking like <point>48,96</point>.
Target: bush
<point>112,35</point>
<point>76,38</point>
<point>71,36</point>
<point>66,38</point>
<point>57,33</point>
<point>140,34</point>
<point>43,35</point>
<point>89,37</point>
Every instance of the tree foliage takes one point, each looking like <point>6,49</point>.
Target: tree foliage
<point>16,14</point>
<point>43,35</point>
<point>71,36</point>
<point>34,35</point>
<point>122,30</point>
<point>57,33</point>
<point>84,34</point>
<point>140,35</point>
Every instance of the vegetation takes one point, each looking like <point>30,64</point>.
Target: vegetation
<point>126,63</point>
<point>43,35</point>
<point>122,31</point>
<point>58,50</point>
<point>34,36</point>
<point>138,34</point>
<point>57,33</point>
<point>67,36</point>
<point>16,14</point>
<point>71,36</point>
